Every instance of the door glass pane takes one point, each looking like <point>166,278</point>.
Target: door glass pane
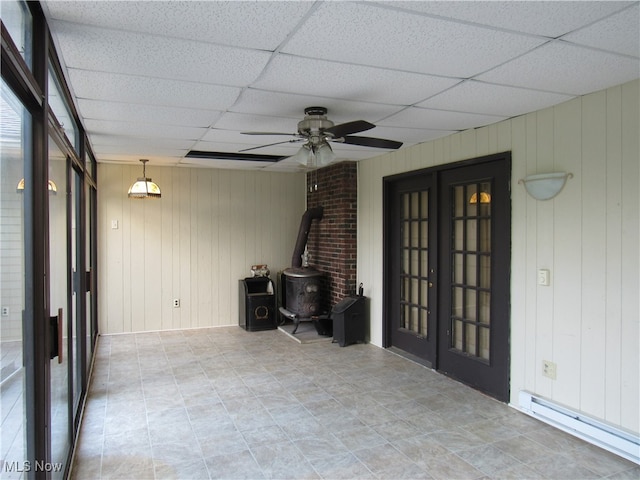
<point>414,255</point>
<point>18,21</point>
<point>61,110</point>
<point>471,265</point>
<point>15,133</point>
<point>60,382</point>
<point>76,316</point>
<point>89,293</point>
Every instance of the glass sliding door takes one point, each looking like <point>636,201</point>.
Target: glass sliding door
<point>59,292</point>
<point>47,252</point>
<point>90,286</point>
<point>77,300</point>
<point>15,138</point>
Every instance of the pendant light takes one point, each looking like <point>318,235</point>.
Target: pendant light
<point>144,187</point>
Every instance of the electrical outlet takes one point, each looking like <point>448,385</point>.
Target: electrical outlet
<point>549,369</point>
<point>176,303</point>
<point>5,311</point>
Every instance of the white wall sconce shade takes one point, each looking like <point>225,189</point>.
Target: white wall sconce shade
<point>545,186</point>
<point>144,187</point>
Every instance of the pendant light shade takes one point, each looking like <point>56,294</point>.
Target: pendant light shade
<point>144,187</point>
<point>324,155</point>
<point>304,156</point>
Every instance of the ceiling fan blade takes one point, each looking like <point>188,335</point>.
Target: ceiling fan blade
<point>371,142</point>
<point>294,140</point>
<point>267,133</point>
<point>348,128</point>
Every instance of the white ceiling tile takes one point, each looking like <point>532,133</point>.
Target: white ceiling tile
<point>103,110</point>
<point>256,123</point>
<point>151,91</point>
<point>565,68</point>
<point>227,164</point>
<point>409,136</point>
<point>619,33</point>
<point>478,97</point>
<point>287,73</point>
<point>160,160</point>
<point>439,119</point>
<point>292,106</point>
<point>264,24</point>
<point>145,130</point>
<point>144,74</point>
<point>144,150</point>
<point>548,18</point>
<point>367,34</point>
<point>92,48</point>
<point>217,135</point>
<point>105,140</point>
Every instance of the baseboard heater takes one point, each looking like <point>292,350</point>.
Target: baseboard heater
<point>606,436</point>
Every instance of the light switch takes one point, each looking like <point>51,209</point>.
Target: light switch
<point>114,224</point>
<point>543,277</point>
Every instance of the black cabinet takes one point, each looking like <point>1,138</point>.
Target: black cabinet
<point>257,307</point>
<point>350,320</point>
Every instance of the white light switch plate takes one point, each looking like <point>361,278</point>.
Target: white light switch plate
<point>543,277</point>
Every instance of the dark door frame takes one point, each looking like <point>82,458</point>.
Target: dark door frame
<point>388,257</point>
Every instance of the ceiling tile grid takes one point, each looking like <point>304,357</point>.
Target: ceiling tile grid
<point>158,79</point>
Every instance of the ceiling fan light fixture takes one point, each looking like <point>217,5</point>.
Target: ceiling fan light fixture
<point>143,187</point>
<point>304,155</point>
<point>324,155</point>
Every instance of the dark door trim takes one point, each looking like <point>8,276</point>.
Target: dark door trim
<point>389,190</point>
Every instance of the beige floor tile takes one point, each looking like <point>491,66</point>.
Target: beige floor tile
<point>226,403</point>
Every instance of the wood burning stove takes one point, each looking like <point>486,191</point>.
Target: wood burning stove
<point>303,286</point>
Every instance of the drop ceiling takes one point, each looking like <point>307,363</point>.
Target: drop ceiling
<point>158,79</point>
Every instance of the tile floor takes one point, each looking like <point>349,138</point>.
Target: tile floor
<point>226,403</point>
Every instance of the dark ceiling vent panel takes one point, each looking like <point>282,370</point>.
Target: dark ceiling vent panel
<point>241,157</point>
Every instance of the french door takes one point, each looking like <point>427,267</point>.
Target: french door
<point>447,244</point>
<point>412,269</point>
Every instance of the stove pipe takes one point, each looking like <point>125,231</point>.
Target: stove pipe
<point>305,225</point>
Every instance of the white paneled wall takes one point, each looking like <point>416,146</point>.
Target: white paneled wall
<point>193,244</point>
<point>587,320</point>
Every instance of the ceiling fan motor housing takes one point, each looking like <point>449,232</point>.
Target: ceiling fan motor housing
<point>314,124</point>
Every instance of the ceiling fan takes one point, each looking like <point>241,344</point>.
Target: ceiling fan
<point>317,131</point>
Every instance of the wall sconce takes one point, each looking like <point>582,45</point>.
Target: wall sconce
<point>484,198</point>
<point>144,187</point>
<point>53,188</point>
<point>545,186</point>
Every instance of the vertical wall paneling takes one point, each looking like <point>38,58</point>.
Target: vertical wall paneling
<point>543,213</point>
<point>594,214</point>
<point>613,254</point>
<point>586,320</point>
<point>167,273</point>
<point>630,353</point>
<point>526,282</point>
<point>193,244</point>
<point>518,242</point>
<point>567,261</point>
